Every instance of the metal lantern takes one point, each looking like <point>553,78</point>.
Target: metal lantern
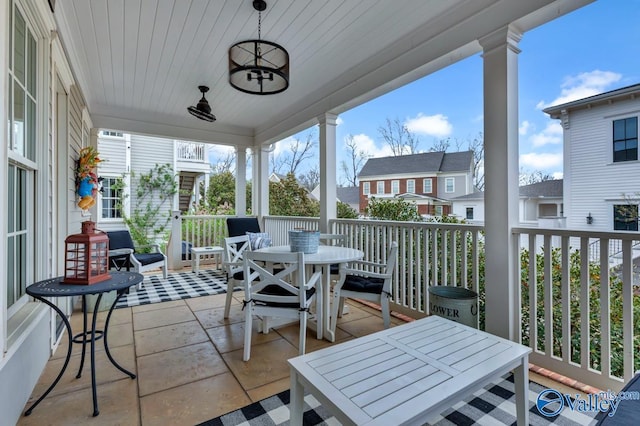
<point>86,256</point>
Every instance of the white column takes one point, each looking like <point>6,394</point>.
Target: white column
<point>241,181</point>
<point>501,179</point>
<point>260,185</point>
<point>328,204</point>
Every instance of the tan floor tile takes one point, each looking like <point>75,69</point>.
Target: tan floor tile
<point>292,334</point>
<point>117,403</point>
<point>105,371</point>
<point>157,306</point>
<point>363,326</point>
<point>230,337</point>
<point>175,367</point>
<point>172,336</point>
<point>119,335</point>
<point>206,302</point>
<point>160,317</point>
<point>269,389</point>
<point>268,363</point>
<point>193,403</point>
<point>210,318</point>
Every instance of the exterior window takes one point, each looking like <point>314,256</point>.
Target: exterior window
<point>470,213</point>
<point>625,217</point>
<point>380,187</point>
<point>411,186</point>
<point>625,139</point>
<point>112,134</point>
<point>395,186</point>
<point>22,166</point>
<point>427,186</point>
<point>366,188</point>
<point>110,198</point>
<point>438,210</point>
<point>449,185</point>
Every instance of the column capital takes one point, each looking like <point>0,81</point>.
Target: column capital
<point>506,36</point>
<point>328,119</point>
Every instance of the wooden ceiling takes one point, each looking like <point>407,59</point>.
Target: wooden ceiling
<point>139,62</point>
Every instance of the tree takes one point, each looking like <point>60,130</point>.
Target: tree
<point>356,158</point>
<point>299,151</point>
<point>154,191</point>
<point>224,164</point>
<point>310,179</point>
<point>288,198</point>
<point>537,176</point>
<point>221,195</point>
<point>345,211</point>
<point>398,137</point>
<point>392,209</point>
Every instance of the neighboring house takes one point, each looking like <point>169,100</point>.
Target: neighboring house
<point>601,167</point>
<point>540,203</point>
<point>349,195</point>
<point>429,180</point>
<point>123,153</point>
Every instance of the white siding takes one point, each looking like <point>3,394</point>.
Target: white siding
<point>595,182</point>
<point>114,153</point>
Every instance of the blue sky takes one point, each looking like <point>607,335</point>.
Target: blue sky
<point>592,50</point>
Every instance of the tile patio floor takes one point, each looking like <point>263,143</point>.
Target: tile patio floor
<point>188,362</point>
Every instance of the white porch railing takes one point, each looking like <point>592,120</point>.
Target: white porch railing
<point>593,309</point>
<point>589,306</point>
<point>191,151</point>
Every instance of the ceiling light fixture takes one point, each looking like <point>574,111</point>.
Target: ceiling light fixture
<point>257,66</point>
<point>202,110</point>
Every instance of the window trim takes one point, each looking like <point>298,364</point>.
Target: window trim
<point>366,188</point>
<point>446,185</point>
<point>102,198</point>
<point>411,186</point>
<point>424,186</point>
<point>395,186</point>
<point>625,140</point>
<point>380,185</point>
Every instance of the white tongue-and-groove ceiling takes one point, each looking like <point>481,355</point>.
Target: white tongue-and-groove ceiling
<point>139,62</point>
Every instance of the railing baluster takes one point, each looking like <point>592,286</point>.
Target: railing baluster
<point>627,310</point>
<point>605,317</point>
<point>566,300</point>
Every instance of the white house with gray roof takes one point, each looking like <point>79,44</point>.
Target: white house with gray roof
<point>601,167</point>
<point>430,180</point>
<point>540,204</point>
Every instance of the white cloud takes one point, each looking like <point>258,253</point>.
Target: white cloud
<point>551,135</point>
<point>524,128</point>
<point>339,121</point>
<point>431,125</point>
<point>541,161</point>
<point>557,175</point>
<point>583,85</point>
<point>369,147</point>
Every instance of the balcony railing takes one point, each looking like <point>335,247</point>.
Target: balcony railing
<point>591,308</point>
<point>191,151</point>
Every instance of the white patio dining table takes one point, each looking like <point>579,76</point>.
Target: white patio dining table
<point>325,256</point>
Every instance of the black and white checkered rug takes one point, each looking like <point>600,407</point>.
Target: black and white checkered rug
<point>179,285</point>
<point>493,405</point>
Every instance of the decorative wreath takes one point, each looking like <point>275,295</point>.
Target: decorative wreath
<point>86,177</point>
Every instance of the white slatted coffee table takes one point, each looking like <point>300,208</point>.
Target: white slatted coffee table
<point>407,374</point>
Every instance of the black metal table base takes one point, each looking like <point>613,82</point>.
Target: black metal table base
<point>88,336</point>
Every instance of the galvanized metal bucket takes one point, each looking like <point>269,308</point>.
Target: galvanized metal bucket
<point>455,303</point>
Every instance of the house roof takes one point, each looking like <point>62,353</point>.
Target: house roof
<point>349,194</point>
<point>428,162</point>
<point>544,189</point>
<point>629,92</point>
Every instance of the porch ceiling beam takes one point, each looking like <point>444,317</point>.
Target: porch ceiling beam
<point>221,135</point>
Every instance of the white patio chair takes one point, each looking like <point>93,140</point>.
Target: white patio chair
<point>269,295</point>
<point>234,248</point>
<point>365,280</point>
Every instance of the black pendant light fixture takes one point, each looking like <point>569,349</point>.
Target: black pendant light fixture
<point>202,110</point>
<point>257,66</point>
